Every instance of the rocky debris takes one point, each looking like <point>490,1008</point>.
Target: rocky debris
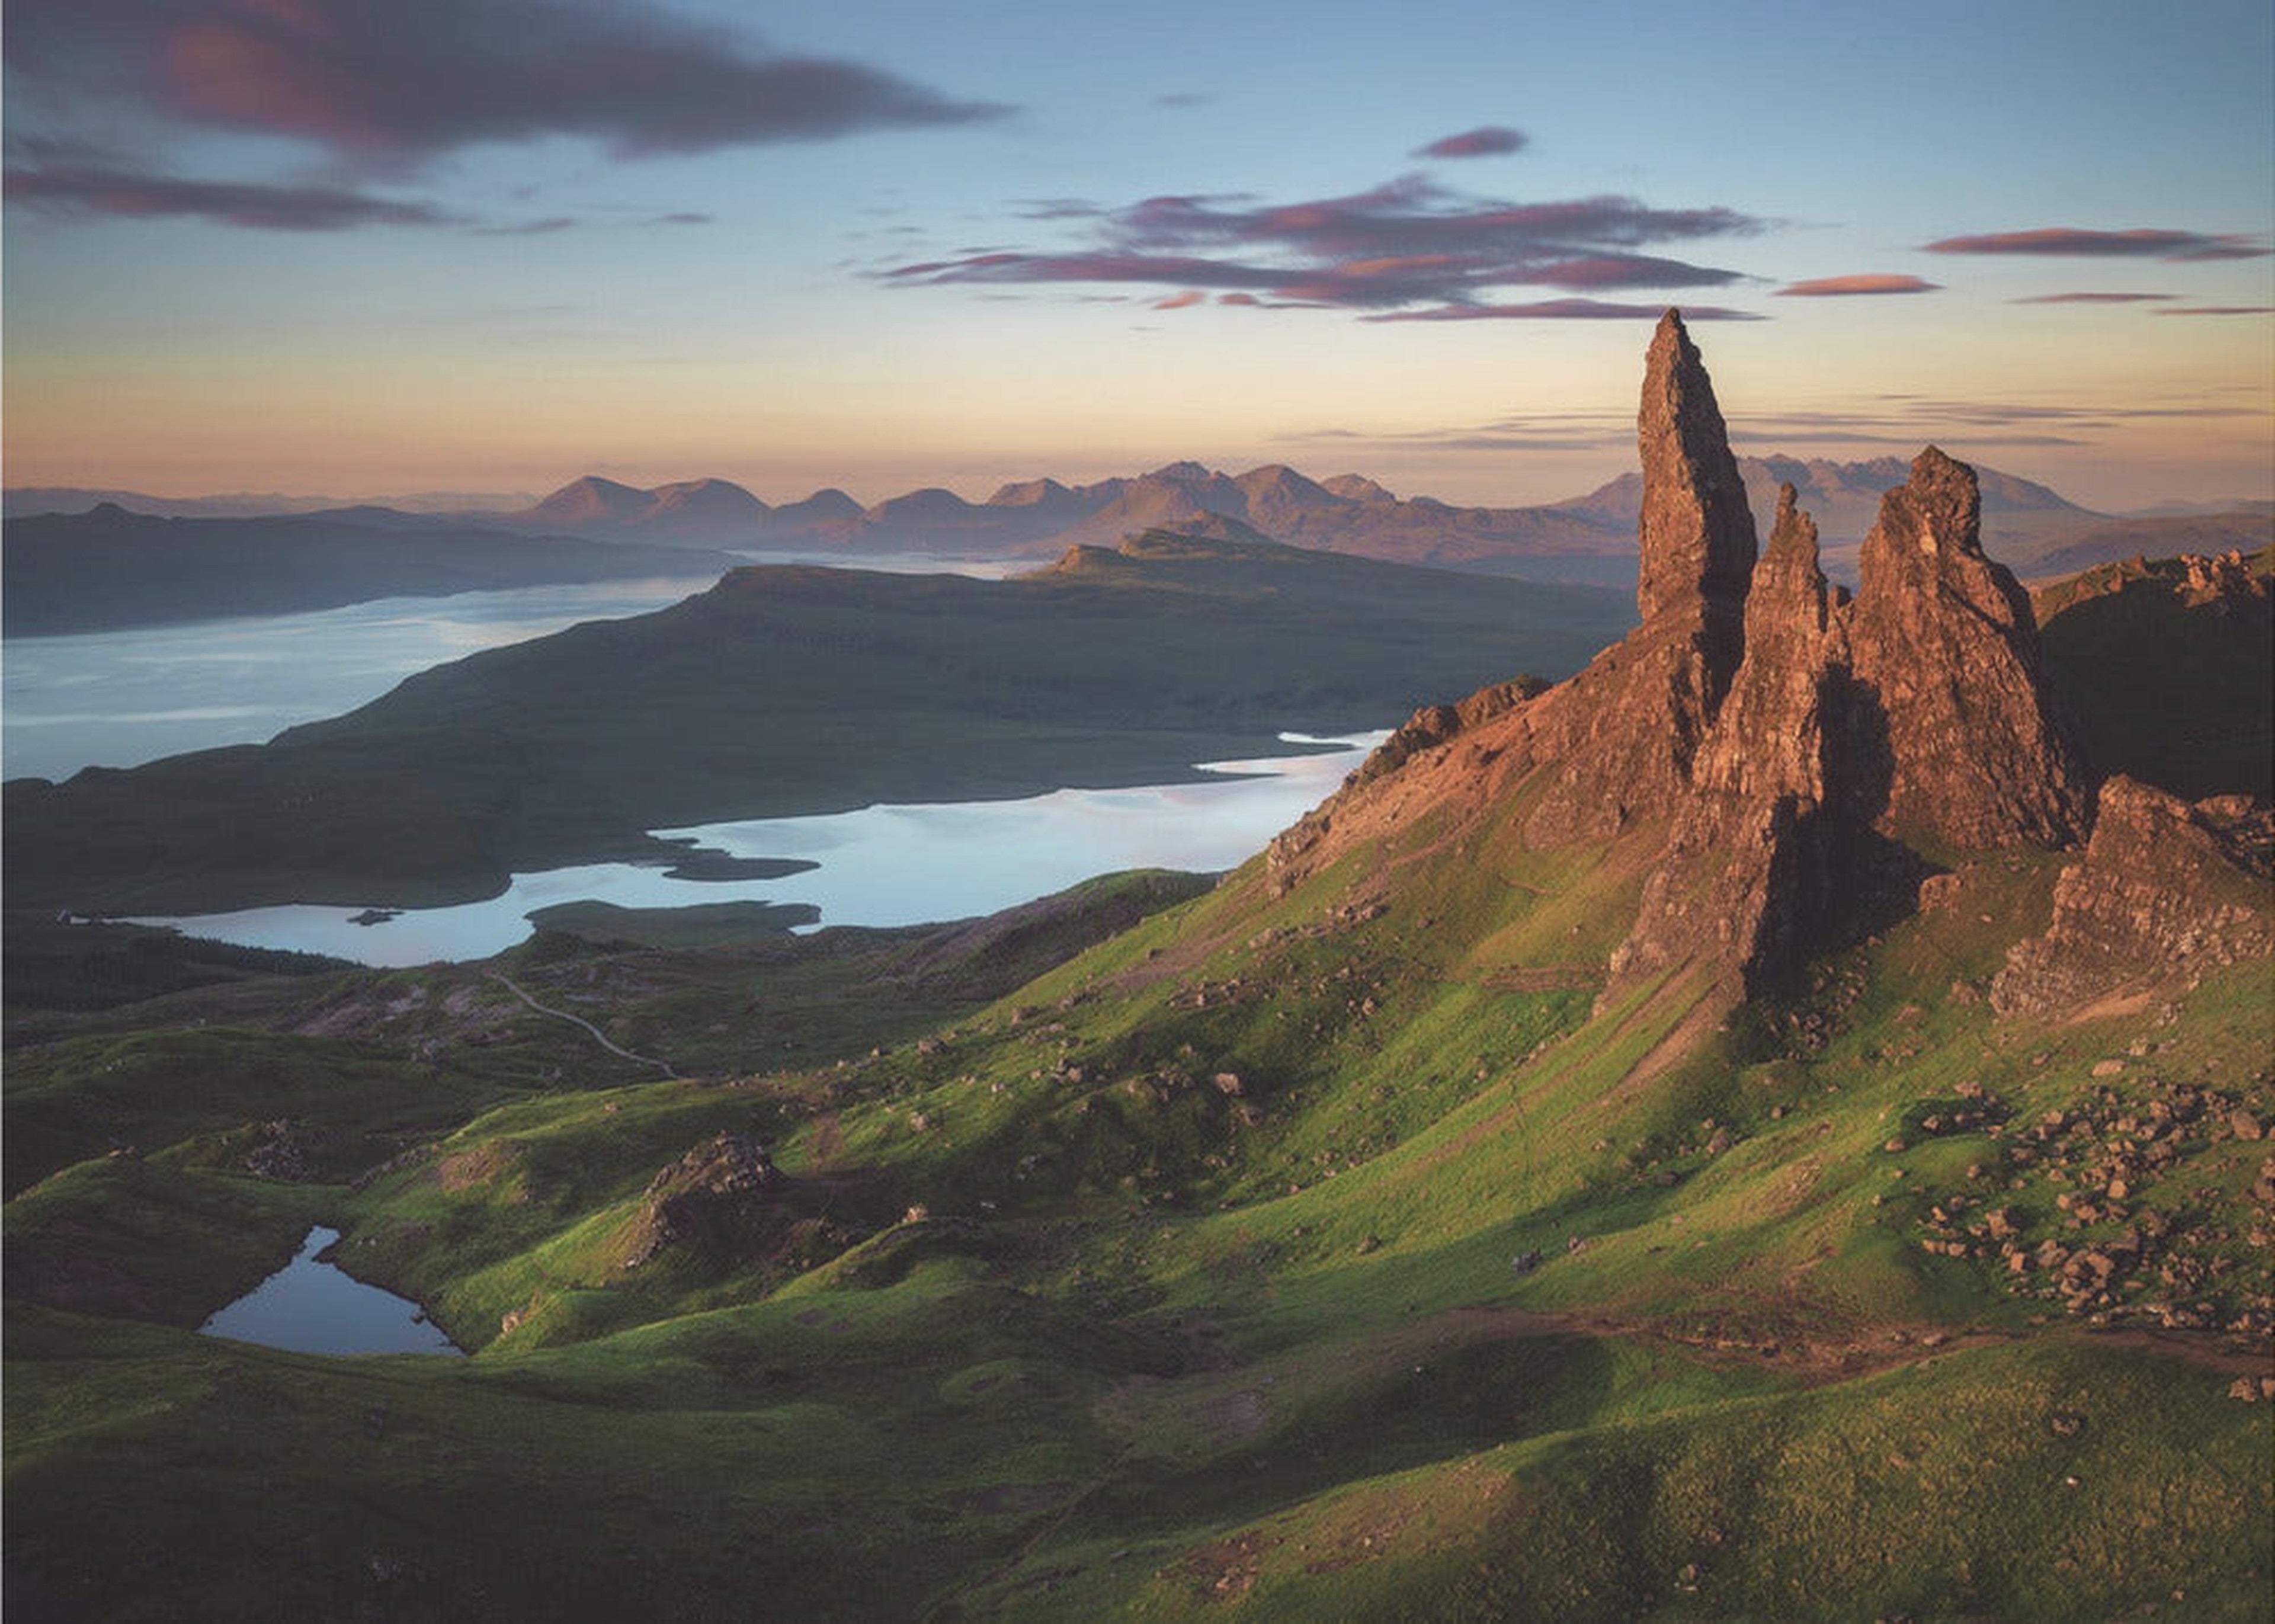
<point>288,1152</point>
<point>1946,648</point>
<point>2245,828</point>
<point>2226,579</point>
<point>728,1178</point>
<point>2109,1208</point>
<point>2157,893</point>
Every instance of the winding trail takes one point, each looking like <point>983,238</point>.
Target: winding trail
<point>598,1036</point>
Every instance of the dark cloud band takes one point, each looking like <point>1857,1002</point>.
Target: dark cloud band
<point>1491,140</point>
<point>77,190</point>
<point>405,79</point>
<point>1405,242</point>
<point>2069,241</point>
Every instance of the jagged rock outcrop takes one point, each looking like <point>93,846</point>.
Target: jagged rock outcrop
<point>1625,730</point>
<point>2159,893</point>
<point>1752,859</point>
<point>1801,750</point>
<point>716,1187</point>
<point>1433,724</point>
<point>1947,647</point>
<point>1696,529</point>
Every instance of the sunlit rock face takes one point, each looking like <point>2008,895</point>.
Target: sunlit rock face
<point>1945,643</point>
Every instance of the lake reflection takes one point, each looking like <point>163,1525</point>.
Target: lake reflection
<point>312,1307</point>
<point>882,866</point>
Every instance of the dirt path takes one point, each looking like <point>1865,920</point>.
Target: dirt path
<point>598,1036</point>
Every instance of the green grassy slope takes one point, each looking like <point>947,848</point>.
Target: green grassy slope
<point>1301,1250</point>
<point>1315,1254</point>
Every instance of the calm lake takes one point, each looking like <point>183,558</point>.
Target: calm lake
<point>312,1307</point>
<point>881,866</point>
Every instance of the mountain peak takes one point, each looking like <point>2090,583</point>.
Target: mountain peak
<point>1356,487</point>
<point>591,497</point>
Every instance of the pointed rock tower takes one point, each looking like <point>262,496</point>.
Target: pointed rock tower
<point>1697,532</point>
<point>1784,764</point>
<point>1627,728</point>
<point>1755,858</point>
<point>1946,646</point>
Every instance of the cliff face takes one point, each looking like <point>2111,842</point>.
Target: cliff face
<point>1947,645</point>
<point>1917,715</point>
<point>1624,733</point>
<point>2163,884</point>
<point>1806,756</point>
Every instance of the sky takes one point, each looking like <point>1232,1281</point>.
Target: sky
<point>367,247</point>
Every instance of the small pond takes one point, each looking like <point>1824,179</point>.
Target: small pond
<point>312,1307</point>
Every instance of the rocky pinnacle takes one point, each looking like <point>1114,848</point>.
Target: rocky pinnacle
<point>1697,532</point>
<point>1945,643</point>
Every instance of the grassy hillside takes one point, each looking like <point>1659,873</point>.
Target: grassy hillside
<point>1315,1254</point>
<point>1325,1243</point>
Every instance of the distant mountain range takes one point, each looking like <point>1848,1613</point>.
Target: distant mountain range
<point>1585,540</point>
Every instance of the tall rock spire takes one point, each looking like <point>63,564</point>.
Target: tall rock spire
<point>1697,532</point>
<point>1945,643</point>
<point>1749,868</point>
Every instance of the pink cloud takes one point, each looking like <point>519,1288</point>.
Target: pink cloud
<point>1407,242</point>
<point>1862,283</point>
<point>2091,299</point>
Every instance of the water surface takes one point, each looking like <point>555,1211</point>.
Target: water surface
<point>312,1307</point>
<point>882,865</point>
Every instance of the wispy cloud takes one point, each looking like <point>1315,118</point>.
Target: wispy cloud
<point>2143,244</point>
<point>394,81</point>
<point>1405,242</point>
<point>1565,310</point>
<point>1862,283</point>
<point>546,227</point>
<point>2091,299</point>
<point>1485,141</point>
<point>78,191</point>
<point>2217,310</point>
